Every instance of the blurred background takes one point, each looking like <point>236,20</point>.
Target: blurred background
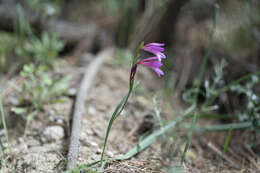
<point>184,26</point>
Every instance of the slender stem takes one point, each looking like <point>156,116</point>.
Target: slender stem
<point>116,113</point>
<point>221,127</point>
<point>3,120</point>
<point>189,138</point>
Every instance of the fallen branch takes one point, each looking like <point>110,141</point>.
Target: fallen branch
<point>87,81</point>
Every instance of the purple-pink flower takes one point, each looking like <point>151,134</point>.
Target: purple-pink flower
<point>151,62</point>
<point>156,49</point>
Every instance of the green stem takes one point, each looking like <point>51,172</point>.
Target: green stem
<point>222,127</point>
<point>189,138</point>
<point>3,120</point>
<point>116,113</point>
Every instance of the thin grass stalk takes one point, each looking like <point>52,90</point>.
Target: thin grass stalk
<point>189,138</point>
<point>3,121</point>
<point>227,140</point>
<point>1,150</point>
<point>221,127</point>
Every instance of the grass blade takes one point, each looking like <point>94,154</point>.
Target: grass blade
<point>225,146</point>
<point>3,121</point>
<point>150,139</point>
<point>194,120</point>
<point>222,127</point>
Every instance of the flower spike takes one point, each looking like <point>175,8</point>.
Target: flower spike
<point>152,62</point>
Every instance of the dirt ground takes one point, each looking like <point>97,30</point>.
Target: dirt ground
<point>44,147</point>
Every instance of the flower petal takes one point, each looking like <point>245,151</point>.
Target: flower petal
<point>152,64</point>
<point>158,71</point>
<point>156,49</point>
<point>155,44</point>
<point>148,59</point>
<point>153,48</point>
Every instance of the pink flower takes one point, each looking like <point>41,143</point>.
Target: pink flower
<point>156,49</point>
<point>151,62</point>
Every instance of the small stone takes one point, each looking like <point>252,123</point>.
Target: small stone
<point>13,101</point>
<point>95,157</point>
<point>89,132</point>
<point>92,110</point>
<point>51,112</point>
<point>5,145</point>
<point>99,151</point>
<point>2,132</point>
<point>110,153</point>
<point>54,133</point>
<point>32,142</point>
<point>93,144</point>
<point>59,119</point>
<point>97,133</point>
<point>83,136</point>
<point>72,92</point>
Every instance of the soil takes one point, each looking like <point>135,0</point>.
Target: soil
<point>44,147</point>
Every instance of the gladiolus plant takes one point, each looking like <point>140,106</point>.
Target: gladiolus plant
<point>154,62</point>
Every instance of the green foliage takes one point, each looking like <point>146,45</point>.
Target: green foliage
<point>21,24</point>
<point>46,7</point>
<point>24,45</point>
<point>250,107</point>
<point>39,88</point>
<point>250,110</point>
<point>43,50</point>
<point>4,122</point>
<point>211,88</point>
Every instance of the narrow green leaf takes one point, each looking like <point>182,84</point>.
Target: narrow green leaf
<point>194,120</point>
<point>227,140</point>
<point>19,110</point>
<point>150,139</point>
<point>3,120</point>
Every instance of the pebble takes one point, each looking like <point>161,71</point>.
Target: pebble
<point>95,157</point>
<point>99,151</point>
<point>110,153</point>
<point>72,91</point>
<point>93,144</point>
<point>13,101</point>
<point>92,110</point>
<point>54,133</point>
<point>32,142</point>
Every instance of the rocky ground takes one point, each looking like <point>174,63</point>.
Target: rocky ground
<point>44,147</point>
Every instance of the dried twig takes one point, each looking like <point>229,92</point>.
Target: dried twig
<point>87,81</point>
